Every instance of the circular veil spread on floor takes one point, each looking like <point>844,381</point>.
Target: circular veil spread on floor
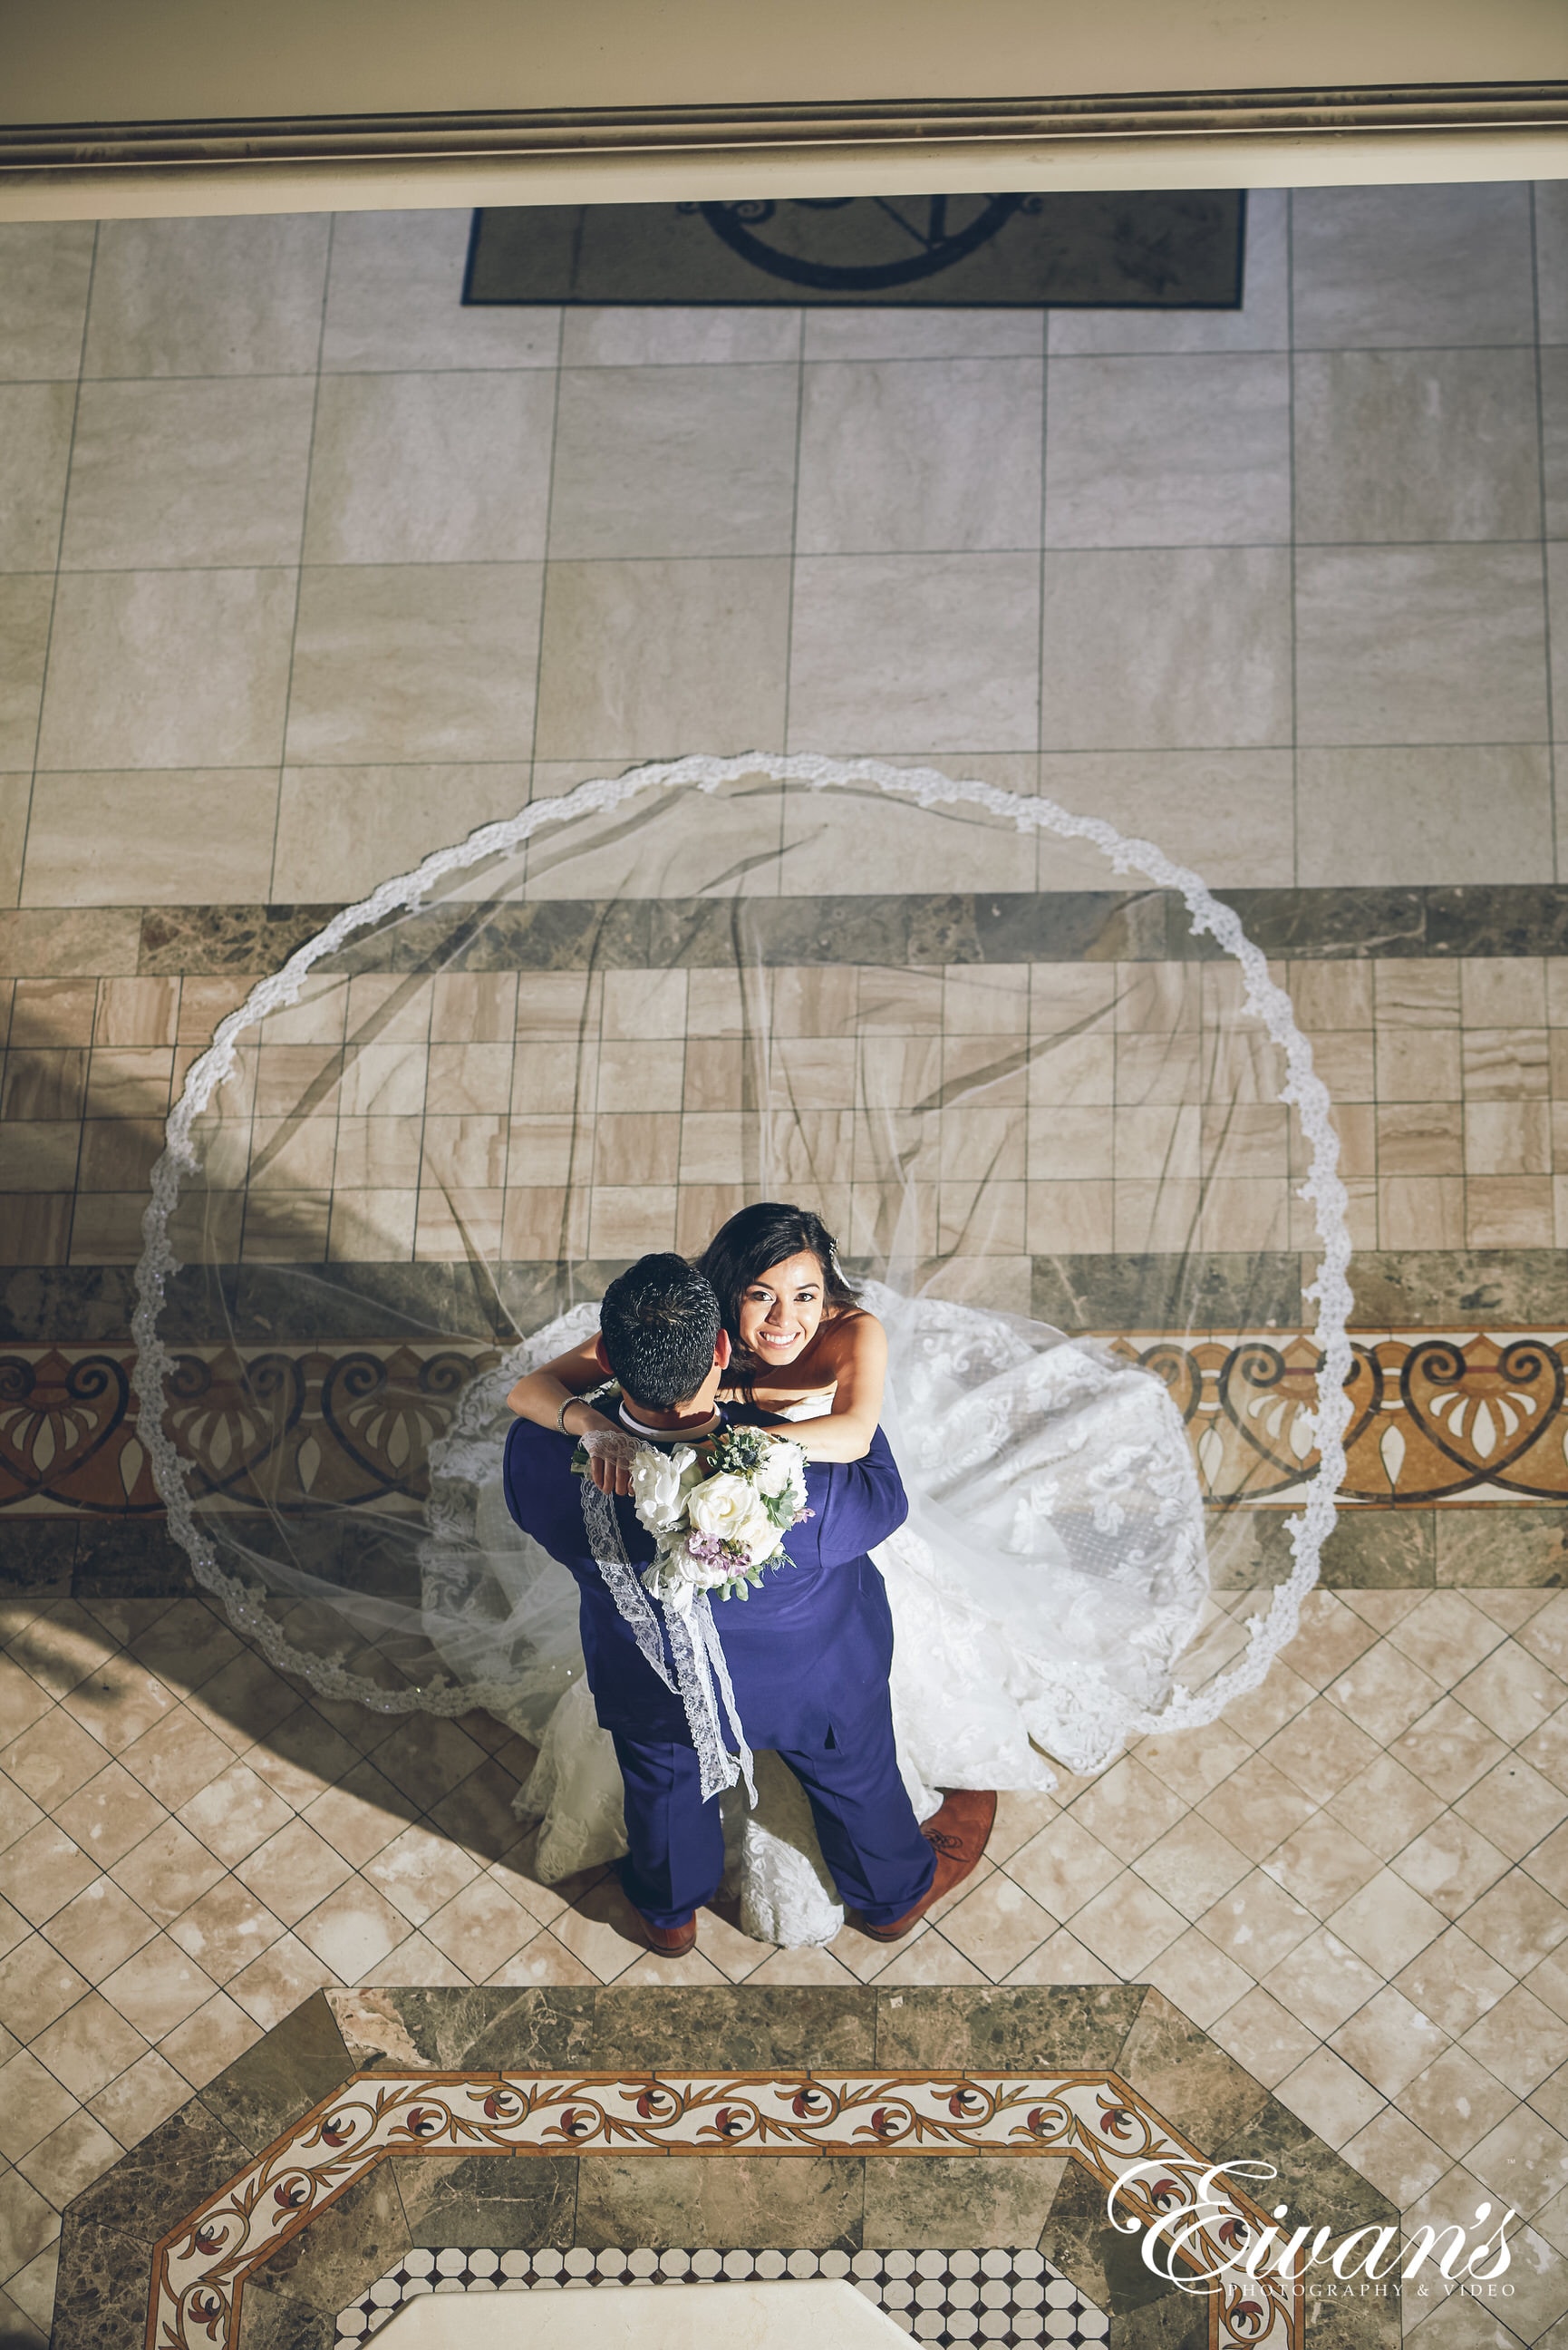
<point>403,1168</point>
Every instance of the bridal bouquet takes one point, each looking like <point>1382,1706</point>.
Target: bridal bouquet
<point>720,1521</point>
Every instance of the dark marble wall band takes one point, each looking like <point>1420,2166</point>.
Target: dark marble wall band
<point>1504,1545</point>
<point>1053,926</point>
<point>364,1302</point>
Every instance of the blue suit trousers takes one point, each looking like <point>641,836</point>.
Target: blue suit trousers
<point>866,1825</point>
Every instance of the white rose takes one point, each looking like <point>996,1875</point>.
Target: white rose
<point>659,1484</point>
<point>730,1509</point>
<point>782,1470</point>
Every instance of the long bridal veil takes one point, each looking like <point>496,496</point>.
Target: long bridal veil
<point>1058,1111</point>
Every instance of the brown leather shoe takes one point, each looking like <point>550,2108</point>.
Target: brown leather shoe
<point>670,1941</point>
<point>959,1831</point>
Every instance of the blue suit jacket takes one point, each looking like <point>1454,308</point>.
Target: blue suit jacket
<point>808,1651</point>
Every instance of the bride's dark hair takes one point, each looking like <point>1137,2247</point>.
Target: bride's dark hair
<point>762,1234</point>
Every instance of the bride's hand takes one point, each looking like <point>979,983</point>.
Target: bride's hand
<point>611,1453</point>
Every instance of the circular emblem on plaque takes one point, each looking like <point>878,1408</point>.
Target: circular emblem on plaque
<point>847,244</point>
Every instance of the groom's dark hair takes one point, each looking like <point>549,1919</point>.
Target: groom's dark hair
<point>659,1325</point>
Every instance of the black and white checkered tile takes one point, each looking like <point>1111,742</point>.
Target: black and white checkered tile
<point>995,2296</point>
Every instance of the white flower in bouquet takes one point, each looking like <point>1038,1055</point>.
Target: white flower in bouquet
<point>781,1474</point>
<point>730,1509</point>
<point>659,1483</point>
<point>718,1516</point>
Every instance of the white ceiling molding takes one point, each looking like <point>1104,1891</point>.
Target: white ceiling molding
<point>1190,138</point>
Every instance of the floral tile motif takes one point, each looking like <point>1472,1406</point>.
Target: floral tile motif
<point>1438,1417</point>
<point>200,2267</point>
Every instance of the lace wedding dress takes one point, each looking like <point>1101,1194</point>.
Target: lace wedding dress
<point>1050,1573</point>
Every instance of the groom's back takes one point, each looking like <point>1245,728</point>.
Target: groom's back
<point>801,1645</point>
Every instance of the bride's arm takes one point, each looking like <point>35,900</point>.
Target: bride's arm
<point>857,1353</point>
<point>541,1395</point>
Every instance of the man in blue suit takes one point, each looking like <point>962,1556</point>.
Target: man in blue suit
<point>809,1651</point>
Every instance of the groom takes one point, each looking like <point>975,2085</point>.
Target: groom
<point>809,1651</point>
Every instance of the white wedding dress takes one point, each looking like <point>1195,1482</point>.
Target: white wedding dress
<point>1051,1571</point>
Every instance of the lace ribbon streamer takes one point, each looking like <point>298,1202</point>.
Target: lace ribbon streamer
<point>694,1648</point>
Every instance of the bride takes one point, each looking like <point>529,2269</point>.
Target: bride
<point>1051,1570</point>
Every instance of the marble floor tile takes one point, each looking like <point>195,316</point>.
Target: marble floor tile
<point>45,268</point>
<point>1517,1923</point>
<point>206,297</point>
<point>1330,2096</point>
<point>677,334</point>
<point>394,301</point>
<point>142,2096</point>
<point>1320,1981</point>
<point>277,1982</point>
<point>1484,812</point>
<point>68,2161</point>
<point>199,473</point>
<point>1456,2101</point>
<point>885,333</point>
<point>674,461</point>
<point>363,823</point>
<point>1554,441</point>
<point>1433,644</point>
<point>901,455</point>
<point>1228,814</point>
<point>210,2041</point>
<point>997,1925</point>
<point>1452,1864</point>
<point>1391,267</point>
<point>430,468</point>
<point>1400,2160</point>
<point>224,1931</point>
<point>1265,2039</point>
<point>1163,648</point>
<point>89,2047</point>
<point>168,669</point>
<point>35,447</point>
<point>927,654</point>
<point>43,1870</point>
<point>1192,1865</point>
<point>1519,2040</point>
<point>32,2104</point>
<point>158,1987</point>
<point>26,601</point>
<point>684,842</point>
<point>99,1930</point>
<point>1421,445</point>
<point>1063,1866</point>
<point>1168,451</point>
<point>643,660</point>
<point>426,661</point>
<point>879,840</point>
<point>1390,2041</point>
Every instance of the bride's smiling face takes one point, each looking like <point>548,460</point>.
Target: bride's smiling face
<point>780,1311</point>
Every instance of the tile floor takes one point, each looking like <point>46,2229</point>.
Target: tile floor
<point>307,569</point>
<point>1357,1881</point>
<point>304,569</point>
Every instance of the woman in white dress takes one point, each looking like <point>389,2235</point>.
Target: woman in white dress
<point>1051,1568</point>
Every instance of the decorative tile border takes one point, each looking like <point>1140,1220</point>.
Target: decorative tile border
<point>1440,1417</point>
<point>1002,2296</point>
<point>909,927</point>
<point>200,2267</point>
